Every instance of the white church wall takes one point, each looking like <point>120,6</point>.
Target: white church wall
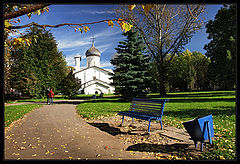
<point>95,87</point>
<point>93,61</point>
<point>88,74</point>
<point>80,75</point>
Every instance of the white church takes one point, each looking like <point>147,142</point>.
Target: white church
<point>94,80</point>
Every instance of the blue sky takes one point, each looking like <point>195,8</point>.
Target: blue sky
<point>72,43</point>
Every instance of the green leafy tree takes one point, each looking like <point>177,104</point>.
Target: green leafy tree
<point>188,71</point>
<point>38,66</point>
<point>201,65</point>
<point>70,85</point>
<point>131,75</point>
<point>222,48</point>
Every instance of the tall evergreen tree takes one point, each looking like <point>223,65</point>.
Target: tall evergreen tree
<point>131,75</point>
<point>38,66</point>
<point>70,85</point>
<point>222,47</point>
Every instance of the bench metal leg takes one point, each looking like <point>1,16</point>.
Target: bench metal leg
<point>122,120</point>
<point>161,124</point>
<point>195,143</point>
<point>209,134</point>
<point>202,146</point>
<point>149,124</point>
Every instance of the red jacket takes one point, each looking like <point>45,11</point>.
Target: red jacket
<point>51,94</point>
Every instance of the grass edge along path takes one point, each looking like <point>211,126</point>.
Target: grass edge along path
<point>16,112</point>
<point>182,107</point>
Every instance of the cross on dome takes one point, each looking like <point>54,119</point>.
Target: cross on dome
<point>93,40</point>
<point>93,51</point>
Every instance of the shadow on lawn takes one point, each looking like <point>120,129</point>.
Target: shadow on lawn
<point>181,113</point>
<point>172,99</point>
<point>198,94</point>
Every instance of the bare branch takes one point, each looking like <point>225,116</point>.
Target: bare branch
<point>190,12</point>
<point>24,11</point>
<point>59,25</point>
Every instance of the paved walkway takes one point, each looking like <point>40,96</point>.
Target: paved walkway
<point>58,132</point>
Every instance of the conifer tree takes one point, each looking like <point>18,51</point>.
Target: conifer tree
<point>131,75</point>
<point>70,85</point>
<point>38,66</point>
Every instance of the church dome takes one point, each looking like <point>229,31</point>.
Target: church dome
<point>93,51</point>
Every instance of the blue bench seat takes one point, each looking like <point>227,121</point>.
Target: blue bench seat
<point>145,109</point>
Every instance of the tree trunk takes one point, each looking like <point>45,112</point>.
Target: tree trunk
<point>162,77</point>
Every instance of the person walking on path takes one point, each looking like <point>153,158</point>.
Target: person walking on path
<point>47,91</point>
<point>51,95</point>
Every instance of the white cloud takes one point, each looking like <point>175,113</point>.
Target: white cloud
<point>103,47</point>
<point>104,36</point>
<point>107,33</point>
<point>70,58</point>
<point>105,64</point>
<point>97,12</point>
<point>71,44</point>
<point>17,34</point>
<point>91,12</point>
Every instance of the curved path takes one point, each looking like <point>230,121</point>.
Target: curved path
<point>58,132</point>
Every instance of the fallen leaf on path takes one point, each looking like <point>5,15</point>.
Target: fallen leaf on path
<point>98,155</point>
<point>15,154</point>
<point>22,148</point>
<point>63,146</point>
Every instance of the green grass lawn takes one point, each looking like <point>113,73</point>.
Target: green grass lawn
<point>184,106</point>
<point>13,113</point>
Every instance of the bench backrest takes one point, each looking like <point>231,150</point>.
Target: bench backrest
<point>151,107</point>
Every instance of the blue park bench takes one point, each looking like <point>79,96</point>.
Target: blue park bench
<point>145,109</point>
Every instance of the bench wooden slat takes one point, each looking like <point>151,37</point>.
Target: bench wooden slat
<point>148,111</point>
<point>146,106</point>
<point>136,114</point>
<point>145,109</point>
<point>148,103</point>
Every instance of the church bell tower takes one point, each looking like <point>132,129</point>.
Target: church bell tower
<point>77,62</point>
<point>93,56</point>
